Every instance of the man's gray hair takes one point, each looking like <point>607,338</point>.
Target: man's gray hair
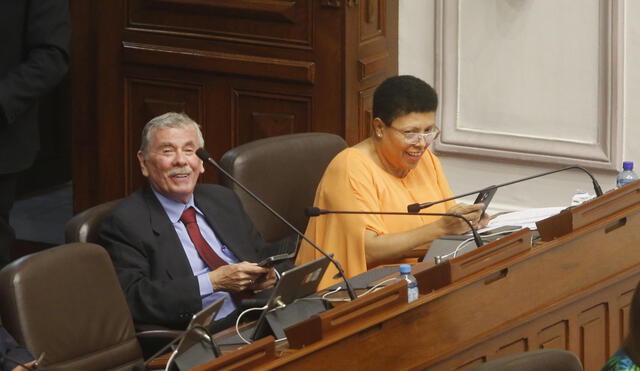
<point>168,120</point>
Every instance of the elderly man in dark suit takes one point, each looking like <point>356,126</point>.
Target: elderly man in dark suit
<point>34,39</point>
<point>177,245</point>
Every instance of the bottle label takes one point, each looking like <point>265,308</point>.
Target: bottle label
<point>412,292</point>
<point>622,182</point>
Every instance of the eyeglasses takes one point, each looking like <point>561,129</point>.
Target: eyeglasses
<point>414,138</point>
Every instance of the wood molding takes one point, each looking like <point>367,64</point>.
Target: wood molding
<point>604,152</point>
<point>283,24</point>
<point>276,10</point>
<point>372,65</point>
<point>331,3</point>
<point>208,61</point>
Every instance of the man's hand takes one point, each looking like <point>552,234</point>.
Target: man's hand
<point>20,368</point>
<point>264,282</point>
<point>240,276</point>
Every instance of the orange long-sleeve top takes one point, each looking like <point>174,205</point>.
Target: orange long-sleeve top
<point>352,181</point>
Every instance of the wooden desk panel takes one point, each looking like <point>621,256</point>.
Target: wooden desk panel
<point>572,293</point>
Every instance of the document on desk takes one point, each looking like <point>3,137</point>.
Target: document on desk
<point>524,219</point>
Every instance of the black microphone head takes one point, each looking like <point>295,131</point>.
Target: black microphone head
<point>312,211</point>
<point>203,154</point>
<point>413,208</point>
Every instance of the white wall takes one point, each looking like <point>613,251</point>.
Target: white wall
<point>469,169</point>
<point>632,85</point>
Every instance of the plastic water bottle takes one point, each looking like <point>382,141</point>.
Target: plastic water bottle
<point>626,175</point>
<point>412,284</point>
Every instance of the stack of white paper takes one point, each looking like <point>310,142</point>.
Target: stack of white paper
<point>525,218</point>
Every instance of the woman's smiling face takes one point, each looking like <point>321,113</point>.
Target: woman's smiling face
<point>398,154</point>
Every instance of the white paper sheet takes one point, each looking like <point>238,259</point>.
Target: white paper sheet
<point>525,218</point>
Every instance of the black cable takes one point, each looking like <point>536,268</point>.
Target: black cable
<point>214,346</point>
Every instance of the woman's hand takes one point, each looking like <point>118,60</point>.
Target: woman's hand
<point>452,225</point>
<point>484,221</point>
<point>391,247</point>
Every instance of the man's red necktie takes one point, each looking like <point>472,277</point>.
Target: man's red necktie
<point>204,250</point>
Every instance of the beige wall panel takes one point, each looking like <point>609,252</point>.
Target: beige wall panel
<point>494,129</point>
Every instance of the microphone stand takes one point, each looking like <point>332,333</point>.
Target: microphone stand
<point>142,366</point>
<point>204,156</point>
<point>414,208</point>
<point>314,211</point>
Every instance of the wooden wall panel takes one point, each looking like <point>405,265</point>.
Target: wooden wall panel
<point>246,69</point>
<point>624,308</point>
<point>555,336</point>
<point>372,19</point>
<point>594,335</point>
<point>472,364</point>
<point>518,346</point>
<point>373,29</point>
<point>581,326</point>
<point>365,110</point>
<point>260,115</point>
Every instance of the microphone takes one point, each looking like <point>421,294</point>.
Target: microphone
<point>204,156</point>
<point>414,208</point>
<point>314,211</point>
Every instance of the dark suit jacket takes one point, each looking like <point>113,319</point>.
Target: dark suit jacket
<point>150,262</point>
<point>34,37</point>
<point>9,348</point>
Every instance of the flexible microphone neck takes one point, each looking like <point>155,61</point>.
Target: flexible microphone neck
<point>204,156</point>
<point>414,208</point>
<point>314,211</point>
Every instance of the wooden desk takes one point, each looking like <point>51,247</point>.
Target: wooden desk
<point>571,292</point>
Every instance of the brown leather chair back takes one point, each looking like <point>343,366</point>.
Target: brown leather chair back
<point>67,301</point>
<point>84,226</point>
<point>284,171</point>
<point>537,360</point>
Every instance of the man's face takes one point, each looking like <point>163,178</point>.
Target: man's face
<point>171,164</point>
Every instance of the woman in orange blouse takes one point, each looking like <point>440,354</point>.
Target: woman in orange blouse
<point>386,172</point>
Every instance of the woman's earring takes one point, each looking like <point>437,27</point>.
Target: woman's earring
<point>379,135</point>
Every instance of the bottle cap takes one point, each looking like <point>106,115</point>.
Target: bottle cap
<point>627,165</point>
<point>405,268</point>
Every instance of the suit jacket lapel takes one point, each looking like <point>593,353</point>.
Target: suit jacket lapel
<point>221,224</point>
<point>167,246</point>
